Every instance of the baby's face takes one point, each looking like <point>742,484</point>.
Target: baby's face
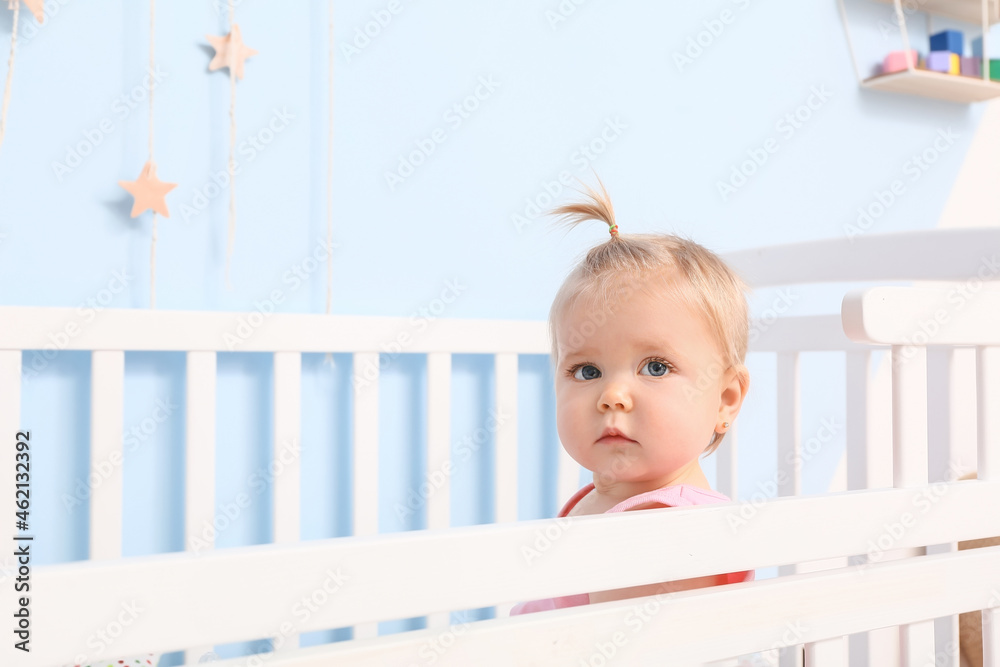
<point>653,371</point>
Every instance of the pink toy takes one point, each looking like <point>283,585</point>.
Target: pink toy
<point>896,61</point>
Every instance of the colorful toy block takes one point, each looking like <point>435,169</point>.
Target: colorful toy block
<point>947,40</point>
<point>943,61</point>
<point>995,69</point>
<point>896,61</point>
<point>972,67</point>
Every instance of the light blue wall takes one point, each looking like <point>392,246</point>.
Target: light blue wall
<point>674,131</point>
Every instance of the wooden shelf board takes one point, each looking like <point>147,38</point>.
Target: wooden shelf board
<point>969,11</point>
<point>950,87</point>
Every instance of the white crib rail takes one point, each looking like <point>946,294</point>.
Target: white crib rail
<point>690,627</point>
<point>935,254</point>
<point>221,596</point>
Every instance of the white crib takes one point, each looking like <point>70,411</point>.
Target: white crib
<point>192,601</point>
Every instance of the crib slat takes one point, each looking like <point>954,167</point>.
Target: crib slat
<point>858,372</point>
<point>287,446</point>
<point>365,375</point>
<point>10,423</point>
<point>789,436</point>
<point>789,455</point>
<point>988,390</point>
<point>286,457</point>
<point>941,457</point>
<point>364,379</point>
<point>727,463</point>
<point>939,393</point>
<point>857,429</point>
<point>506,436</point>
<point>439,439</point>
<point>199,463</point>
<point>827,653</point>
<point>909,415</point>
<point>107,392</point>
<point>438,474</point>
<point>909,449</point>
<point>505,425</point>
<point>199,455</point>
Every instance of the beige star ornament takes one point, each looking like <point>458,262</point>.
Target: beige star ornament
<point>149,191</point>
<point>230,51</point>
<point>36,6</point>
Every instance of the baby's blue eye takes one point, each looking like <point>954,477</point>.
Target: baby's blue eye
<point>587,372</point>
<point>656,368</point>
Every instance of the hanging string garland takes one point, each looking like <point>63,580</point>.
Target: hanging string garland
<point>328,359</point>
<point>148,190</point>
<point>231,52</point>
<point>329,168</point>
<point>36,8</point>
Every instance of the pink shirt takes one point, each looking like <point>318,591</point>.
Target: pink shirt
<point>679,495</point>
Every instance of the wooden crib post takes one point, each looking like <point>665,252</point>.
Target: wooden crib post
<point>909,469</point>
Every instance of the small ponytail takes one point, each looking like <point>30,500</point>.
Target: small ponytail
<point>596,207</point>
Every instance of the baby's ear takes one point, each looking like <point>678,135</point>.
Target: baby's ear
<point>735,389</point>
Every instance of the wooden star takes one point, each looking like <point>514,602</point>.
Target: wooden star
<point>149,191</point>
<point>230,51</point>
<point>36,6</point>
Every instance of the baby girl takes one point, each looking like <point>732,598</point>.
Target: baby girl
<point>649,335</point>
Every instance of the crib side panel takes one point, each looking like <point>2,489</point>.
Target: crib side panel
<point>444,570</point>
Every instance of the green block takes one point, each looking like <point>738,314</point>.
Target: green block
<point>995,69</point>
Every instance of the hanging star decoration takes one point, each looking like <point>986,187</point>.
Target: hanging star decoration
<point>149,191</point>
<point>230,51</point>
<point>36,6</point>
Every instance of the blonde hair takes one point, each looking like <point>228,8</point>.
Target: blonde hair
<point>676,267</point>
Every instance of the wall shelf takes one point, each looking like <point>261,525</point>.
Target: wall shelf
<point>938,85</point>
<point>927,83</point>
<point>969,11</point>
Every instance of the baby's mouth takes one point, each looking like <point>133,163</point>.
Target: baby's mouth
<point>615,440</point>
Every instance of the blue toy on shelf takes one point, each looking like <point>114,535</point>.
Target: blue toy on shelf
<point>948,40</point>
